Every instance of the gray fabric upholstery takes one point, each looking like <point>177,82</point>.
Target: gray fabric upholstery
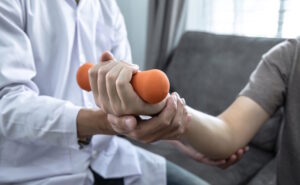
<point>266,176</point>
<point>209,71</point>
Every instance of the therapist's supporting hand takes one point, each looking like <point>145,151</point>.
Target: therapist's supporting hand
<point>113,92</point>
<point>225,163</point>
<point>92,122</point>
<point>170,124</point>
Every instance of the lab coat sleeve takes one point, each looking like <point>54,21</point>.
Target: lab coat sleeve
<point>25,116</point>
<point>120,44</point>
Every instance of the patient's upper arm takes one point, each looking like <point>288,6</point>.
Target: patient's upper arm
<point>244,118</point>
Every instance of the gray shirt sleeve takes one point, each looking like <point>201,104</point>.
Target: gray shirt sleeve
<point>267,85</point>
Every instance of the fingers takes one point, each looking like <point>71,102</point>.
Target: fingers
<point>93,74</point>
<point>230,161</point>
<point>111,82</point>
<point>111,88</point>
<point>181,120</point>
<point>124,89</point>
<point>151,130</point>
<point>208,161</point>
<point>93,78</point>
<point>162,123</point>
<point>101,85</point>
<point>152,109</point>
<point>179,117</point>
<point>167,115</point>
<point>240,153</point>
<point>106,92</point>
<point>168,125</point>
<point>122,125</point>
<point>234,158</point>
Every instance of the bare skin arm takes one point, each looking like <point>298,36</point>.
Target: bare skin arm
<point>219,137</point>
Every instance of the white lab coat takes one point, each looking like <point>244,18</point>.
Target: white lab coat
<point>42,43</point>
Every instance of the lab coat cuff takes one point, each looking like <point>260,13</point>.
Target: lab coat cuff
<point>70,119</point>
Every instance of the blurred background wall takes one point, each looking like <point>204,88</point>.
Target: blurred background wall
<point>267,18</point>
<point>136,14</point>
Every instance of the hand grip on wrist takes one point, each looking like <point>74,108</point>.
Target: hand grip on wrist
<point>151,85</point>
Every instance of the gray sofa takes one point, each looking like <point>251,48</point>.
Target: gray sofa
<point>209,71</point>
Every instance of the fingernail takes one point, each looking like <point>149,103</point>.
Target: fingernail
<point>175,100</point>
<point>183,100</point>
<point>174,97</point>
<point>177,95</point>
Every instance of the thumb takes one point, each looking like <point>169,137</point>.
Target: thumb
<point>122,125</point>
<point>106,56</point>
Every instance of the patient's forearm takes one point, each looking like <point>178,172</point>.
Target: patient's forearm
<point>219,137</point>
<point>210,135</point>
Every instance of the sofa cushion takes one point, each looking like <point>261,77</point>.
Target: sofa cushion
<point>209,71</point>
<point>266,176</point>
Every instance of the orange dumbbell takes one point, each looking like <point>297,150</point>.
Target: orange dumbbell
<point>151,85</point>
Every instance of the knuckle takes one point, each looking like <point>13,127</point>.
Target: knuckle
<point>120,83</point>
<point>102,72</point>
<point>110,77</point>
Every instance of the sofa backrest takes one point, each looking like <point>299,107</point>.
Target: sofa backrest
<point>209,71</point>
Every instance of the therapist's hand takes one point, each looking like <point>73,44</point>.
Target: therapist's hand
<point>94,121</point>
<point>170,124</point>
<point>113,92</point>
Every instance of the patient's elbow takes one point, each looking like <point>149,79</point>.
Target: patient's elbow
<point>224,149</point>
